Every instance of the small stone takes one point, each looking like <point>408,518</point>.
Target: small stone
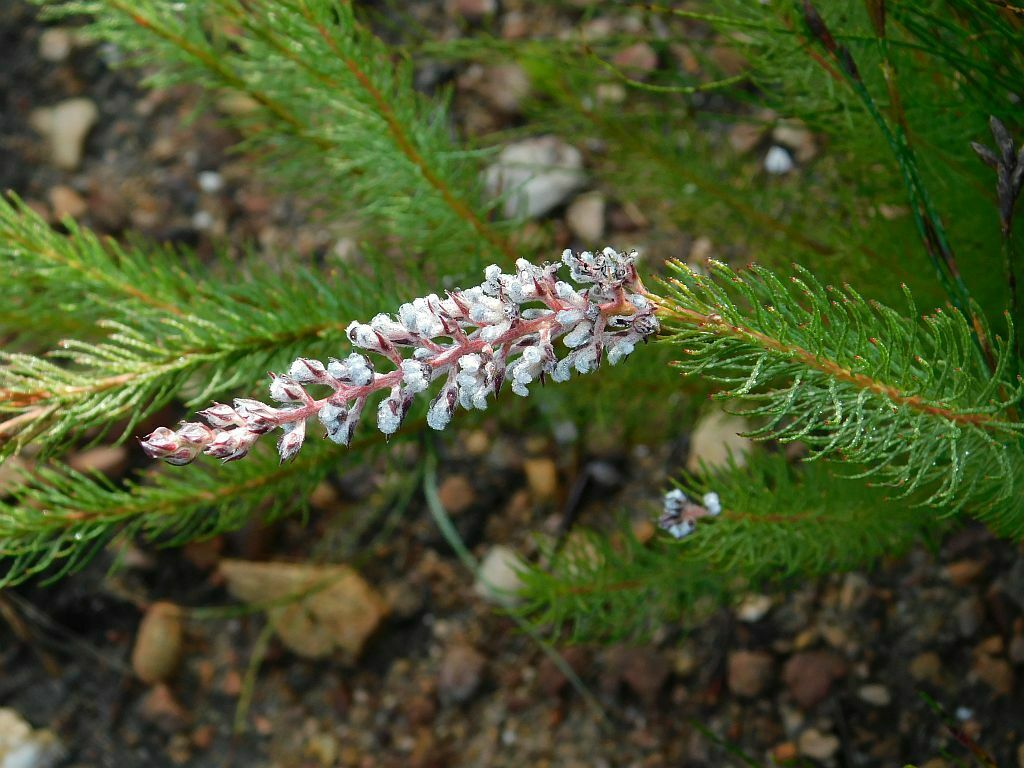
<point>56,44</point>
<point>778,161</point>
<point>993,646</point>
<point>794,135</point>
<point>875,694</point>
<point>817,745</point>
<point>535,175</point>
<point>542,477</point>
<point>638,60</point>
<point>997,674</point>
<point>926,666</point>
<point>749,672</point>
<point>809,676</point>
<point>66,202</point>
<point>322,748</point>
<point>855,592</point>
<point>160,708</point>
<point>110,460</point>
<point>158,643</point>
<point>753,608</point>
<point>786,752</point>
<point>969,613</point>
<point>477,442</point>
<point>743,137</point>
<point>65,126</point>
<point>460,674</point>
<point>644,671</point>
<point>456,494</point>
<point>505,87</point>
<point>585,217</point>
<point>715,438</point>
<point>963,572</point>
<point>23,747</point>
<point>498,579</point>
<point>210,182</point>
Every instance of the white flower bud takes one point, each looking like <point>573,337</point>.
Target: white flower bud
<point>284,389</point>
<point>306,371</point>
<point>194,433</point>
<point>620,350</point>
<point>712,503</point>
<point>363,335</point>
<point>416,375</point>
<point>579,335</point>
<point>291,441</point>
<point>442,409</point>
<point>220,416</point>
<point>586,359</point>
<point>258,416</point>
<point>569,316</point>
<point>232,444</point>
<point>491,333</point>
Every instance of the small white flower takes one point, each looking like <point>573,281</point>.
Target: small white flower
<point>284,389</point>
<point>442,409</point>
<point>415,375</point>
<point>579,335</point>
<point>712,503</point>
<point>778,161</point>
<point>620,350</point>
<point>389,414</point>
<point>586,359</point>
<point>291,441</point>
<point>681,529</point>
<point>569,316</point>
<point>306,371</point>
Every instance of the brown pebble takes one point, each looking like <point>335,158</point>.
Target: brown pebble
<point>963,572</point>
<point>926,666</point>
<point>749,672</point>
<point>461,673</point>
<point>997,674</point>
<point>231,683</point>
<point>202,737</point>
<point>160,708</point>
<point>809,676</point>
<point>784,752</point>
<point>542,477</point>
<point>158,643</point>
<point>66,202</point>
<point>456,494</point>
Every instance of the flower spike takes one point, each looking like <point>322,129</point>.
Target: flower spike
<point>506,328</point>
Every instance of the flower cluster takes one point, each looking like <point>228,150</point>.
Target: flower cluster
<point>473,340</point>
<point>680,514</point>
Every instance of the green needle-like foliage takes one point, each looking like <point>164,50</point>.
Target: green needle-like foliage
<point>162,326</point>
<point>779,523</point>
<point>909,398</point>
<point>324,99</point>
<point>59,518</point>
<point>909,420</point>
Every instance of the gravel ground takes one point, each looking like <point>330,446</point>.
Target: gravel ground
<point>837,672</point>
